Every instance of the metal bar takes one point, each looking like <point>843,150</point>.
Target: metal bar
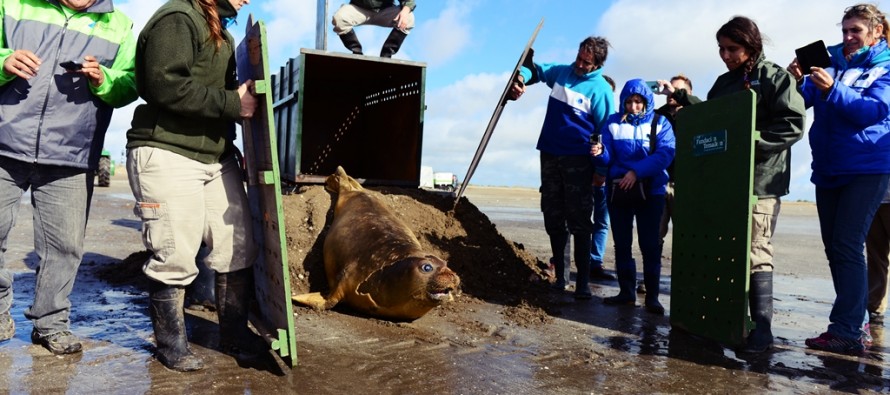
<point>321,20</point>
<point>495,117</point>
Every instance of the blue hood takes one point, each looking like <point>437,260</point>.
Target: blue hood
<point>638,87</point>
<point>876,54</point>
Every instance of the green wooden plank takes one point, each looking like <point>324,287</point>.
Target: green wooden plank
<point>276,317</point>
<point>712,218</point>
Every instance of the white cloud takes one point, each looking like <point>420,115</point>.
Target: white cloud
<point>292,26</point>
<point>654,39</point>
<point>650,39</point>
<point>442,38</point>
<point>457,117</point>
<point>682,40</point>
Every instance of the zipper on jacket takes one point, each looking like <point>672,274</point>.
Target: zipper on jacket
<point>52,82</point>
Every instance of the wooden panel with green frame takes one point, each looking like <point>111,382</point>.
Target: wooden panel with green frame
<point>712,218</point>
<point>275,320</point>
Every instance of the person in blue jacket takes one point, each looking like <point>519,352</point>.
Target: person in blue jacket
<point>627,148</point>
<point>850,142</point>
<point>580,100</point>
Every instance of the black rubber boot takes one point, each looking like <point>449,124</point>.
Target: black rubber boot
<point>582,263</point>
<point>627,281</point>
<point>760,300</point>
<point>199,295</point>
<point>559,246</point>
<point>234,294</point>
<point>392,43</point>
<point>168,321</point>
<point>652,278</point>
<point>350,41</point>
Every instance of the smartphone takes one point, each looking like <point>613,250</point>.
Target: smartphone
<point>653,85</point>
<point>71,65</point>
<point>813,54</point>
<point>596,138</point>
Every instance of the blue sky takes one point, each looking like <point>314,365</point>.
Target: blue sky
<point>469,47</point>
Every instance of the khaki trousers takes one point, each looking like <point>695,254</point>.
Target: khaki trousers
<point>183,202</point>
<point>349,16</point>
<point>763,224</point>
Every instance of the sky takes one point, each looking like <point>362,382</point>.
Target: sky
<point>469,48</point>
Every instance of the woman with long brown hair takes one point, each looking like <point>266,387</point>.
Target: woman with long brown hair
<point>779,118</point>
<point>185,176</point>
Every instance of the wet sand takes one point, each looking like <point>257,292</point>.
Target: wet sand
<point>586,347</point>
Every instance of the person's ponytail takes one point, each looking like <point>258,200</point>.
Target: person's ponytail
<point>213,22</point>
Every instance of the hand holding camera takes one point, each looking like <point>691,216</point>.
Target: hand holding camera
<point>596,144</point>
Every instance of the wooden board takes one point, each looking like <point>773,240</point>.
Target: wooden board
<point>492,123</point>
<point>712,218</point>
<point>275,319</point>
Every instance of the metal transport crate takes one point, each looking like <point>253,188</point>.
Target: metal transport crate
<point>364,113</point>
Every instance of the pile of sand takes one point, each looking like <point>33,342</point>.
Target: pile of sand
<point>490,267</point>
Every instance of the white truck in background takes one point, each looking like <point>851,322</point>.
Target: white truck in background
<point>437,180</point>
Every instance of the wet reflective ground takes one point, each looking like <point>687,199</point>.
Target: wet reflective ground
<point>586,347</point>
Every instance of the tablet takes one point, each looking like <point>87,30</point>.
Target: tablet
<point>814,54</point>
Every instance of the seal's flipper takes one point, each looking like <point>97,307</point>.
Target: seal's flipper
<point>313,300</point>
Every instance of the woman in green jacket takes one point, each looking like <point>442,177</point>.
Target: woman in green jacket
<point>779,118</point>
<point>185,176</point>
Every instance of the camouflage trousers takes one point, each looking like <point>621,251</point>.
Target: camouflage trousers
<point>567,204</point>
<point>567,194</point>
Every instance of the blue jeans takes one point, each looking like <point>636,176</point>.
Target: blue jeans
<point>600,235</point>
<point>648,218</point>
<point>845,214</point>
<point>61,198</point>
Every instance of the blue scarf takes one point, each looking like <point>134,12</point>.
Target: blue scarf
<point>866,56</point>
<point>228,21</point>
<point>636,119</point>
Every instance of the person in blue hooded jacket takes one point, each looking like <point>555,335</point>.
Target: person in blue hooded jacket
<point>634,157</point>
<point>580,100</point>
<point>850,142</point>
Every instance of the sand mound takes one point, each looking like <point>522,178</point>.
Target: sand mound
<point>490,267</point>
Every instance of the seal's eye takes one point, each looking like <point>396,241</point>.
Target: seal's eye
<point>426,268</point>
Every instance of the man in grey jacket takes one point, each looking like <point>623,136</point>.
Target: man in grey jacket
<point>55,106</point>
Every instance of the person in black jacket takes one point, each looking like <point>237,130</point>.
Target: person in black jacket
<point>669,110</point>
<point>779,118</point>
<point>184,171</point>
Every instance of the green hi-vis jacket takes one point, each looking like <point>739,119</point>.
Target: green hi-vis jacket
<point>59,118</point>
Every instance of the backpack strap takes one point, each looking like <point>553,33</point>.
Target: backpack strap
<point>652,140</point>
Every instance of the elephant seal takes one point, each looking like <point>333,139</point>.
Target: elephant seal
<point>373,261</point>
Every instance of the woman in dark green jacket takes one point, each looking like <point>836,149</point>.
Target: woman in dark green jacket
<point>779,118</point>
<point>184,172</point>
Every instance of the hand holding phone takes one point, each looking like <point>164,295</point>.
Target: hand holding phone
<point>653,85</point>
<point>71,65</point>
